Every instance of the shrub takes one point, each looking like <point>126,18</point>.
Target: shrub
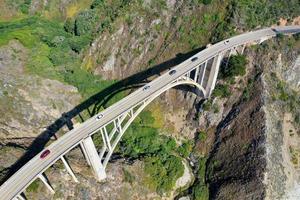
<point>69,26</point>
<point>206,2</point>
<point>200,192</point>
<point>163,172</point>
<point>85,22</point>
<point>186,148</point>
<point>78,43</point>
<point>33,187</point>
<point>200,189</point>
<point>97,3</point>
<point>24,7</point>
<point>207,105</point>
<point>60,56</point>
<point>202,136</point>
<point>221,91</point>
<point>236,67</point>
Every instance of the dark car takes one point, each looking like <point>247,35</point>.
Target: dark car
<point>172,72</point>
<point>194,59</point>
<point>226,42</point>
<point>146,87</point>
<point>45,154</point>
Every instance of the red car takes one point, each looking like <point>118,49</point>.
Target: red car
<point>45,154</point>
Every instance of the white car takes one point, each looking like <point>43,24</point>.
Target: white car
<point>99,117</point>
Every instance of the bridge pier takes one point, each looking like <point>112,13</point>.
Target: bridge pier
<point>45,181</point>
<point>70,171</point>
<point>213,74</point>
<point>19,197</point>
<point>202,73</point>
<point>93,158</point>
<point>85,153</point>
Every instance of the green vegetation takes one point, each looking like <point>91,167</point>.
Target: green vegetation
<point>128,177</point>
<point>24,7</point>
<point>202,136</point>
<point>247,90</point>
<point>159,152</point>
<point>186,148</point>
<point>33,187</point>
<point>163,171</point>
<point>294,154</point>
<point>249,14</point>
<point>221,90</point>
<point>288,98</point>
<point>206,2</point>
<point>200,188</point>
<point>207,105</point>
<point>54,53</point>
<point>236,67</point>
<point>85,22</point>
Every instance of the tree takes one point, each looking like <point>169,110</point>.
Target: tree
<point>70,25</point>
<point>236,67</point>
<point>85,22</point>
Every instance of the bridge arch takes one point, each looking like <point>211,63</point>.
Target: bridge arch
<point>183,81</point>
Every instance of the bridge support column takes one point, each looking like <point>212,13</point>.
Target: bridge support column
<point>213,74</point>
<point>202,73</point>
<point>85,153</point>
<point>70,171</point>
<point>19,197</point>
<point>94,159</point>
<point>45,181</point>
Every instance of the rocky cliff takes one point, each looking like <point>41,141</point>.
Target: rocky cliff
<point>255,151</point>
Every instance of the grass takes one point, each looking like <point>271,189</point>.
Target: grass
<point>33,187</point>
<point>202,136</point>
<point>221,90</point>
<point>195,29</point>
<point>52,53</point>
<point>128,177</point>
<point>76,7</point>
<point>287,97</point>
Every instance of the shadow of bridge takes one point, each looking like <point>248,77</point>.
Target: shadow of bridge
<point>92,105</point>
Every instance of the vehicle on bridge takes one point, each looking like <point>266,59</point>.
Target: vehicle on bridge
<point>45,154</point>
<point>99,117</point>
<point>172,72</point>
<point>194,59</point>
<point>146,87</point>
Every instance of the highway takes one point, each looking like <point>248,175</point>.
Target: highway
<point>22,178</point>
